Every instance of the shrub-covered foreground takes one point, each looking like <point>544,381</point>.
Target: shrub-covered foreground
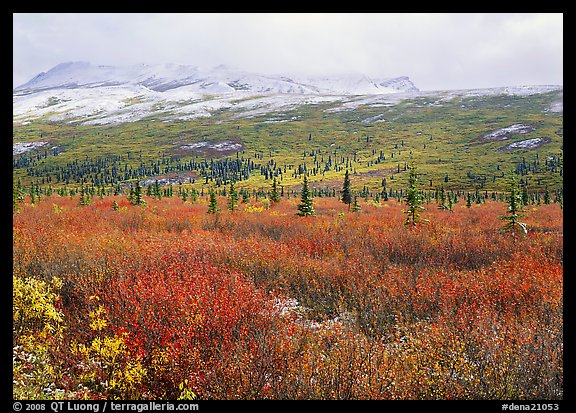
<point>165,301</point>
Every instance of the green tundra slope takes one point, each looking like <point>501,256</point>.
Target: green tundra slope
<point>458,142</point>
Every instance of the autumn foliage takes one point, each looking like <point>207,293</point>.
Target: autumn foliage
<point>165,301</point>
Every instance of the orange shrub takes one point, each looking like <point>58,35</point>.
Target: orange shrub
<point>262,303</point>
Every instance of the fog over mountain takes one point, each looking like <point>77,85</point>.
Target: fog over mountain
<point>220,79</point>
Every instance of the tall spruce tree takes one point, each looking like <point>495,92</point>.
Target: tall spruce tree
<point>306,207</point>
<point>355,205</point>
<point>274,195</point>
<point>213,203</point>
<point>414,200</point>
<point>525,198</point>
<point>232,198</point>
<point>84,196</point>
<point>346,192</point>
<point>156,191</point>
<point>135,196</point>
<point>17,195</point>
<point>515,210</point>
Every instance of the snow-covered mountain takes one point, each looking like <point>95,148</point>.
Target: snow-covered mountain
<point>221,79</point>
<point>84,93</point>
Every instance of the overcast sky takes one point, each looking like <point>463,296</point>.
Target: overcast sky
<point>437,51</point>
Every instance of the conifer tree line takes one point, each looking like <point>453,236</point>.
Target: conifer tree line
<point>111,170</point>
<point>517,198</point>
<point>118,174</point>
<point>444,198</point>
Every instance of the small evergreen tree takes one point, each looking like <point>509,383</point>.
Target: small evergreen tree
<point>306,207</point>
<point>213,203</point>
<point>245,196</point>
<point>232,198</point>
<point>547,197</point>
<point>84,196</point>
<point>194,195</point>
<point>414,200</point>
<point>135,196</point>
<point>274,195</point>
<point>525,199</point>
<point>17,195</point>
<point>138,194</point>
<point>450,201</point>
<point>515,210</point>
<point>355,205</point>
<point>442,203</point>
<point>156,191</point>
<point>346,192</point>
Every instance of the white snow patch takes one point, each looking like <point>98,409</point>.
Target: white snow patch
<point>21,147</point>
<point>375,119</point>
<point>527,144</point>
<point>500,134</point>
<point>220,147</point>
<point>226,146</point>
<point>194,145</point>
<point>557,106</point>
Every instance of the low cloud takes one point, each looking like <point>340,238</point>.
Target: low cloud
<point>438,51</point>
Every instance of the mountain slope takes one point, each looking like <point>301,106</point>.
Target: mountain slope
<point>87,94</point>
<point>165,77</point>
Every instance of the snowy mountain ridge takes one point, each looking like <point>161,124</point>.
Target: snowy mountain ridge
<point>83,93</point>
<point>221,79</point>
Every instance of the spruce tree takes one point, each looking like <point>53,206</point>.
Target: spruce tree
<point>547,197</point>
<point>355,205</point>
<point>138,194</point>
<point>135,196</point>
<point>414,200</point>
<point>194,195</point>
<point>442,202</point>
<point>514,211</point>
<point>306,207</point>
<point>245,196</point>
<point>232,198</point>
<point>213,203</point>
<point>274,195</point>
<point>156,191</point>
<point>84,196</point>
<point>346,192</point>
<point>17,195</point>
<point>525,198</point>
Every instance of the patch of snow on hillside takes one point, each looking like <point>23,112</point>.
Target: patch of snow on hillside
<point>220,147</point>
<point>503,133</point>
<point>21,147</point>
<point>194,145</point>
<point>557,107</point>
<point>527,144</point>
